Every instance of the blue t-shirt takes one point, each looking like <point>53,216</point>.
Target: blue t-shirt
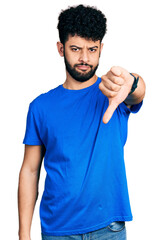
<point>85,186</point>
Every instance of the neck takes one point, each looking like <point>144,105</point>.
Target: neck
<point>73,84</point>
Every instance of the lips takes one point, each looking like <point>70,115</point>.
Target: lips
<point>82,67</point>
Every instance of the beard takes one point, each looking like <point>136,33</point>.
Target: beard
<point>78,76</point>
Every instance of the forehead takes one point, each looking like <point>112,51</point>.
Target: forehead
<point>79,41</point>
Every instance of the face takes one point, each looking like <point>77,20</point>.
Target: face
<point>81,57</point>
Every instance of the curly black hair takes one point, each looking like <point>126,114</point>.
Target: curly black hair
<point>84,21</point>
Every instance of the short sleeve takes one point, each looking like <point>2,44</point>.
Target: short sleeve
<point>134,108</point>
<point>124,113</point>
<point>32,135</point>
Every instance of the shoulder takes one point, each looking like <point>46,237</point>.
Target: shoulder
<point>43,99</point>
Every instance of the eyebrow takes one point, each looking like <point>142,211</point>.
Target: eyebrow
<point>81,48</point>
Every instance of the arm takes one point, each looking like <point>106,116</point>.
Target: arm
<point>116,86</point>
<point>139,93</point>
<point>28,188</point>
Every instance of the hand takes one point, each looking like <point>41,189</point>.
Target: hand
<point>116,85</point>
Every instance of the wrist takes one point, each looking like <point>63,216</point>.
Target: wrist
<point>24,236</point>
<point>134,83</point>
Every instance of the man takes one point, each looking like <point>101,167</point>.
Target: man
<point>80,129</point>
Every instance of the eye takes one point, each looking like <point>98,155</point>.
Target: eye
<point>92,50</point>
<point>74,49</point>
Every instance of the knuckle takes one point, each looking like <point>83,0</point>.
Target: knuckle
<point>114,79</point>
<point>119,81</point>
<point>100,86</point>
<point>112,88</point>
<point>117,88</point>
<point>112,94</point>
<point>104,78</point>
<point>113,68</point>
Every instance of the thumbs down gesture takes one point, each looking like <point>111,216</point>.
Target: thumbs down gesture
<point>115,85</point>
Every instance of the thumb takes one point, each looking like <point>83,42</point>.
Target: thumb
<point>109,111</point>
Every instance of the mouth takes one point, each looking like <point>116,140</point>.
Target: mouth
<point>83,67</point>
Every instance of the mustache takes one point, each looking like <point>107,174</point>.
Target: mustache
<point>83,64</point>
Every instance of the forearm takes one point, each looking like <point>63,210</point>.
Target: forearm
<point>27,196</point>
<point>139,93</point>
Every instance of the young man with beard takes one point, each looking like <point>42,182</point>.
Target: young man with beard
<point>80,129</point>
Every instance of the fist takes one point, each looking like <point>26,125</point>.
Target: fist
<point>115,85</point>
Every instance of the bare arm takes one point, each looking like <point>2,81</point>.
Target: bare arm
<point>116,86</point>
<point>139,93</point>
<point>28,188</point>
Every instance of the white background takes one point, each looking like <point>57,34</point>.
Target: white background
<point>31,65</point>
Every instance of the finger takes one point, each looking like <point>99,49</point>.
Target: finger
<point>116,80</point>
<point>109,111</point>
<point>109,84</point>
<point>107,92</point>
<point>119,71</point>
<point>116,70</point>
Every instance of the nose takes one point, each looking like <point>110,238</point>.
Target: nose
<point>84,56</point>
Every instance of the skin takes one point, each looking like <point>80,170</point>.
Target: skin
<point>28,188</point>
<point>78,51</point>
<point>115,84</point>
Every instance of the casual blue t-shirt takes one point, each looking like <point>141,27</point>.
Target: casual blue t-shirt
<point>85,186</point>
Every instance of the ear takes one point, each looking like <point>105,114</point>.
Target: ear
<point>102,44</point>
<point>60,48</point>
